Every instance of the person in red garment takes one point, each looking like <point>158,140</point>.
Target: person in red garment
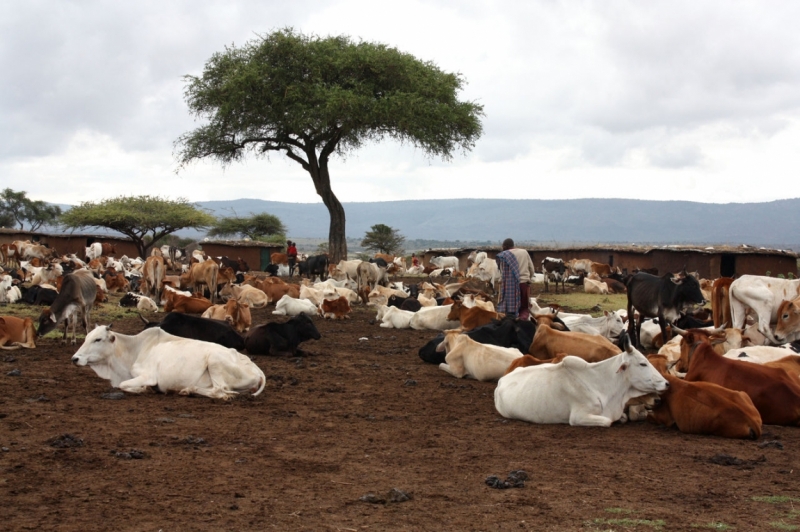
<point>291,253</point>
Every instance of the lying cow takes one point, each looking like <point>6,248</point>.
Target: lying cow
<point>289,306</point>
<point>578,392</point>
<point>16,332</point>
<point>197,328</point>
<point>466,357</point>
<point>706,408</point>
<point>169,363</point>
<point>140,302</point>
<point>393,317</point>
<point>774,393</point>
<point>281,338</point>
<point>508,332</point>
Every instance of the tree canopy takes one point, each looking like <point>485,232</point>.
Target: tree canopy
<point>255,226</point>
<point>145,219</point>
<point>384,239</point>
<point>17,208</point>
<point>311,97</point>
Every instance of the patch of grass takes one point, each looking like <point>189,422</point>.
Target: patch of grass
<point>780,525</point>
<point>632,523</point>
<point>775,499</point>
<point>583,302</point>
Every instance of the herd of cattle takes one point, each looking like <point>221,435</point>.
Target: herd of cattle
<point>723,373</point>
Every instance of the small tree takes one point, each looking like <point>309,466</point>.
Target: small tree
<point>18,208</point>
<point>145,219</point>
<point>255,226</point>
<point>384,239</point>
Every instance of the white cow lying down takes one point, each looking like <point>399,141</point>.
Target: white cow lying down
<point>577,392</point>
<point>288,306</point>
<point>171,363</point>
<point>482,362</point>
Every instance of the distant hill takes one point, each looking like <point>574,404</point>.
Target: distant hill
<point>772,224</point>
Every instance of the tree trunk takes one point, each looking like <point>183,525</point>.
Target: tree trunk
<point>337,240</point>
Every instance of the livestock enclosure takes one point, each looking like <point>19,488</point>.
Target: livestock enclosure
<point>710,261</point>
<point>341,437</point>
<point>66,243</point>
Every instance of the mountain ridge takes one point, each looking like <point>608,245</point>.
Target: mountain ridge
<point>772,224</point>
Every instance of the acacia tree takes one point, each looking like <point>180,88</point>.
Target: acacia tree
<point>17,208</point>
<point>384,239</point>
<point>311,98</point>
<point>145,219</point>
<point>255,226</point>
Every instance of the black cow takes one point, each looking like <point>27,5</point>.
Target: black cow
<point>660,297</point>
<point>316,265</point>
<point>36,295</point>
<point>271,269</point>
<point>554,270</point>
<point>197,328</point>
<point>404,303</point>
<point>507,332</point>
<point>129,300</point>
<point>380,262</point>
<point>281,338</point>
<point>238,265</point>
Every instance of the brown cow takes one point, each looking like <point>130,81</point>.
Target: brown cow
<point>109,249</point>
<point>472,317</point>
<point>790,364</point>
<point>186,305</point>
<point>603,270</point>
<point>9,254</point>
<point>773,392</point>
<point>115,281</point>
<point>722,340</point>
<point>706,408</point>
<point>16,332</point>
<point>336,309</point>
<point>788,324</point>
<point>202,273</point>
<point>279,258</point>
<point>527,360</point>
<point>549,342</point>
<point>721,302</point>
<point>153,273</point>
<point>236,313</point>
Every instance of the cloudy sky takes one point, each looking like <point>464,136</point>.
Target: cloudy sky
<point>645,100</point>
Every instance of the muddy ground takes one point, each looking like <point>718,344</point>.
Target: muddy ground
<point>332,436</point>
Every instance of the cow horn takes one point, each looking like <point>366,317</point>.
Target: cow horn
<point>144,319</point>
<point>680,331</point>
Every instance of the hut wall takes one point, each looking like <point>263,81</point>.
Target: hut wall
<point>252,255</point>
<point>761,264</point>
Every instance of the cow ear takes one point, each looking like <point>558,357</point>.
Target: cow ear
<point>113,338</point>
<point>622,368</point>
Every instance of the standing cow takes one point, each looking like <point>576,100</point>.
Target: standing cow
<point>660,297</point>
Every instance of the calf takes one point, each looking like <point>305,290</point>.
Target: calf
<point>554,270</point>
<point>289,306</point>
<point>393,317</point>
<point>470,318</point>
<point>706,408</point>
<point>508,332</point>
<point>335,309</point>
<point>186,305</point>
<point>78,293</point>
<point>281,338</point>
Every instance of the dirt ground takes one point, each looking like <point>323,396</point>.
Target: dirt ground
<point>335,432</point>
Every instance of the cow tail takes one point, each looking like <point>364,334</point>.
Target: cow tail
<point>262,385</point>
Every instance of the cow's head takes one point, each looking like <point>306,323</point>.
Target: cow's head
<point>638,371</point>
<point>47,322</point>
<point>305,327</point>
<point>98,346</point>
<point>788,321</point>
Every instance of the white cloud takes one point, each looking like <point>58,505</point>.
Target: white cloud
<point>677,100</point>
